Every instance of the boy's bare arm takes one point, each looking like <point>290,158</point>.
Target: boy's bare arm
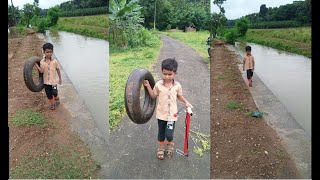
<point>182,99</point>
<point>59,74</point>
<point>150,91</point>
<point>253,64</point>
<point>39,68</point>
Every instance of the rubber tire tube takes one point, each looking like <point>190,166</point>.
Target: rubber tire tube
<point>135,80</point>
<point>27,74</point>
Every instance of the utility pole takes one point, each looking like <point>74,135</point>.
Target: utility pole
<point>155,11</point>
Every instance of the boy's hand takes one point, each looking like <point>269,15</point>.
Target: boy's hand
<point>59,82</point>
<point>37,66</point>
<point>189,105</point>
<point>146,83</point>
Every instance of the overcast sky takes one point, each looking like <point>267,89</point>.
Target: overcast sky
<point>43,4</point>
<point>238,8</point>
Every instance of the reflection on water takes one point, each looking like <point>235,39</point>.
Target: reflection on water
<point>288,76</point>
<point>85,60</point>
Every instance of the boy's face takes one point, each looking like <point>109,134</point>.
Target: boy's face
<point>48,53</point>
<point>168,75</point>
<point>248,52</point>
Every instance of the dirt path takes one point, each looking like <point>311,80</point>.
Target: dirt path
<point>36,142</point>
<point>242,146</point>
<point>133,147</point>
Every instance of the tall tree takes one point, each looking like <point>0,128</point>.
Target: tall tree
<point>263,10</point>
<point>218,20</point>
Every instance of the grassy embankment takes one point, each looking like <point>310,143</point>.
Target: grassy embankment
<point>295,40</point>
<point>93,26</point>
<point>60,162</point>
<point>197,40</point>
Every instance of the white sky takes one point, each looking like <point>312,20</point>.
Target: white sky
<point>43,4</point>
<point>238,8</point>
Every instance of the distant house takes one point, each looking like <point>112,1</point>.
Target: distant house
<point>190,28</point>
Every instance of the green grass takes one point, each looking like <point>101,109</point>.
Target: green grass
<point>197,40</point>
<point>233,105</point>
<point>27,117</point>
<point>60,163</point>
<point>17,31</point>
<point>121,64</point>
<point>295,40</point>
<point>93,26</point>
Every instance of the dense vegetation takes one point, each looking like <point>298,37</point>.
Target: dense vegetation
<point>85,11</point>
<point>83,4</point>
<point>93,26</point>
<point>295,40</point>
<point>168,14</point>
<point>296,14</point>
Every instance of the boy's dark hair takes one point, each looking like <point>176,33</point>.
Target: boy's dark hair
<point>248,48</point>
<point>169,64</point>
<point>47,46</point>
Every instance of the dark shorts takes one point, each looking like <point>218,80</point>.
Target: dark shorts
<point>51,91</point>
<point>165,130</point>
<point>249,73</point>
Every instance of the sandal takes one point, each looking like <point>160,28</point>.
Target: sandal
<point>170,149</point>
<point>160,152</point>
<point>53,107</point>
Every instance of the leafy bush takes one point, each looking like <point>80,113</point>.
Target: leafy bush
<point>242,26</point>
<point>142,37</point>
<point>43,24</point>
<point>53,15</point>
<point>231,35</point>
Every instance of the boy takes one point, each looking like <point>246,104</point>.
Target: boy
<point>167,91</point>
<point>248,64</point>
<point>49,67</point>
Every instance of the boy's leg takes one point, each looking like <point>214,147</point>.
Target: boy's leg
<point>161,137</point>
<point>249,76</point>
<point>169,136</point>
<point>48,90</point>
<point>55,94</point>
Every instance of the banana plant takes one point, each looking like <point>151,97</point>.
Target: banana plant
<point>125,18</point>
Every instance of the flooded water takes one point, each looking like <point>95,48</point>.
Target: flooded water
<point>86,62</point>
<point>288,76</point>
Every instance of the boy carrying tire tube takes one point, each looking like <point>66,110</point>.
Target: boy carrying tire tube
<point>50,68</point>
<point>167,91</point>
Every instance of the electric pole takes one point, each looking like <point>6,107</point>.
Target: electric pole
<point>155,11</point>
